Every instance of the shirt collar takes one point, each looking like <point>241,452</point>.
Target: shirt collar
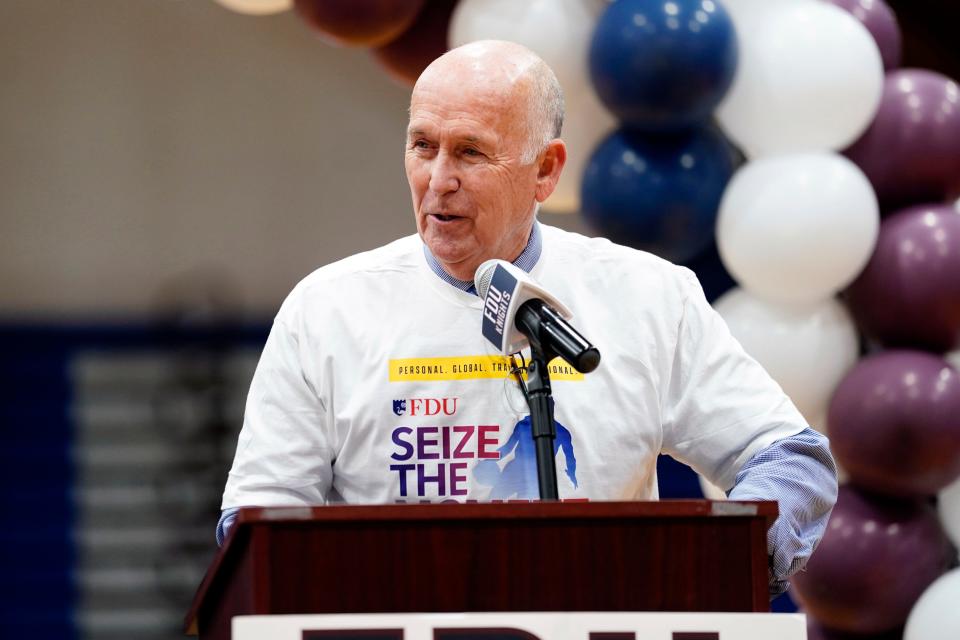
<point>527,260</point>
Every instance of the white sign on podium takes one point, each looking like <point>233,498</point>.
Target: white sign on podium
<point>524,626</point>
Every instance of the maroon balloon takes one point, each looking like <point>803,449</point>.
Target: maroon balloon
<point>908,295</point>
<point>893,423</point>
<point>875,559</point>
<point>359,23</point>
<point>911,151</point>
<point>881,22</point>
<point>405,58</point>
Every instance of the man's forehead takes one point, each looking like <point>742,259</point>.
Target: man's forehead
<point>466,105</point>
<point>468,92</point>
<point>472,127</point>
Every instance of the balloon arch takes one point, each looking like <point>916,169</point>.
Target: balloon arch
<point>782,136</point>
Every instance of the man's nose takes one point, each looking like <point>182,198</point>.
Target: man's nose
<point>444,177</point>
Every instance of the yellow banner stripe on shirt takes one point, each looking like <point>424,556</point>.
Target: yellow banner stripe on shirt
<point>467,368</point>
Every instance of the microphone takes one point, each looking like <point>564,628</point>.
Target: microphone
<point>518,312</point>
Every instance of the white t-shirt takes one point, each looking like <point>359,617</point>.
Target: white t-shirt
<point>376,386</point>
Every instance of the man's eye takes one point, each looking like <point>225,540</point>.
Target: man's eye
<point>471,152</point>
<point>421,144</point>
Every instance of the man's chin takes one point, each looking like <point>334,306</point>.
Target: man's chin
<point>457,261</point>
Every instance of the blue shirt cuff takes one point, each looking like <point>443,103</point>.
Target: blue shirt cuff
<point>800,474</point>
<point>227,518</point>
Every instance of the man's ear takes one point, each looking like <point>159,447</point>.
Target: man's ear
<point>548,171</point>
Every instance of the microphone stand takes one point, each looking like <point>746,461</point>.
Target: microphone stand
<point>538,394</point>
<point>543,427</point>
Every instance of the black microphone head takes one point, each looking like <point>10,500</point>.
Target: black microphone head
<point>588,360</point>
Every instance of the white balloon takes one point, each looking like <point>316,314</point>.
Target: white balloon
<point>797,228</point>
<point>807,349</point>
<point>256,7</point>
<point>747,15</point>
<point>809,77</point>
<point>948,506</point>
<point>936,615</point>
<point>560,32</point>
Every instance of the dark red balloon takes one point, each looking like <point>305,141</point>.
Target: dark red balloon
<point>881,22</point>
<point>426,40</point>
<point>875,560</point>
<point>893,423</point>
<point>359,23</point>
<point>911,151</point>
<point>908,295</point>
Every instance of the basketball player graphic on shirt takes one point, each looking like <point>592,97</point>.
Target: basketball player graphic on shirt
<point>518,478</point>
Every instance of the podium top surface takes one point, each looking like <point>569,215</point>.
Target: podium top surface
<point>528,510</point>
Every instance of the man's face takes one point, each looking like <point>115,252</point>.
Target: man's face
<point>472,196</point>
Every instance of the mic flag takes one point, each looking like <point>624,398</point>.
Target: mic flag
<point>504,288</point>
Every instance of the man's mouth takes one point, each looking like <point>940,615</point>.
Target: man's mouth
<point>444,217</point>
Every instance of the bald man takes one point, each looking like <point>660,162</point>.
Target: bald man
<point>376,385</point>
<point>478,161</point>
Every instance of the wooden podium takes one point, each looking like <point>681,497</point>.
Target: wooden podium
<point>685,555</point>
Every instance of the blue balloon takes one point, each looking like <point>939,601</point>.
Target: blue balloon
<point>663,66</point>
<point>658,193</point>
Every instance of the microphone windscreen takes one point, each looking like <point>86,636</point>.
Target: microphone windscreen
<point>483,275</point>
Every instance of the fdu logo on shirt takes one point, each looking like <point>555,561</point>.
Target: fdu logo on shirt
<point>425,406</point>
